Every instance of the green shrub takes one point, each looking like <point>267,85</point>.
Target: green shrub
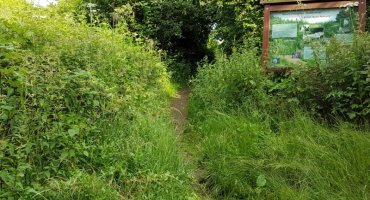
<point>253,143</point>
<point>72,97</point>
<point>339,87</point>
<point>230,83</point>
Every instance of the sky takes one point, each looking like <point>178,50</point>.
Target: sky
<point>43,2</point>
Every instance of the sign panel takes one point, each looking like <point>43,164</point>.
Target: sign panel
<point>282,1</point>
<point>299,36</point>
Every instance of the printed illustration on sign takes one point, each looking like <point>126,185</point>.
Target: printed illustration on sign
<point>299,36</point>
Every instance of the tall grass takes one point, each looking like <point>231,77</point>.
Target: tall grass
<point>303,160</point>
<point>264,147</point>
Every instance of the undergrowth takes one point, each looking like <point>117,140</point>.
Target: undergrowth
<point>259,139</point>
<point>83,110</point>
<point>244,159</point>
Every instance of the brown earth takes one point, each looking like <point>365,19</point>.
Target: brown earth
<point>179,107</point>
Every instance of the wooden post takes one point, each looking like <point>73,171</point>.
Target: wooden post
<point>362,14</point>
<point>266,35</point>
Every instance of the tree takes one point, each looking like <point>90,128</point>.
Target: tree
<point>180,27</point>
<point>236,20</point>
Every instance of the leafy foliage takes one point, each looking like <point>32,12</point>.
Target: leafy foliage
<point>235,21</point>
<point>230,83</point>
<point>252,141</point>
<point>340,86</point>
<point>82,107</point>
<point>179,27</point>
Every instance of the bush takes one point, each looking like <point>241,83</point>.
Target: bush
<point>340,86</point>
<point>72,97</point>
<point>253,142</point>
<point>230,83</point>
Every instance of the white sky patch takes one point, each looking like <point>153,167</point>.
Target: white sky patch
<point>312,16</point>
<point>42,3</point>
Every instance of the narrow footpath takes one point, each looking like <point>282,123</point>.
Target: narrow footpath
<point>179,108</point>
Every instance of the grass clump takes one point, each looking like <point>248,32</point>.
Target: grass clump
<point>244,159</point>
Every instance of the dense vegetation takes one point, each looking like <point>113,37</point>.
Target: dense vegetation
<point>84,106</point>
<point>182,28</point>
<point>83,111</point>
<point>258,136</point>
<point>236,21</point>
<point>179,27</point>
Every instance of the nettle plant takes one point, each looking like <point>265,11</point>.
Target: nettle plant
<point>347,76</point>
<point>339,86</point>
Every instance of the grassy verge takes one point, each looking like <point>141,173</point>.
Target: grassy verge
<point>138,159</point>
<point>252,144</point>
<point>244,159</point>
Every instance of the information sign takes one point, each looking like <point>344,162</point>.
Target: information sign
<point>295,34</point>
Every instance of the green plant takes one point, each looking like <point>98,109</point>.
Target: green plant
<point>230,83</point>
<point>82,106</point>
<point>244,159</point>
<point>339,86</point>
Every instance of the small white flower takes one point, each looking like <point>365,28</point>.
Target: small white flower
<point>91,5</point>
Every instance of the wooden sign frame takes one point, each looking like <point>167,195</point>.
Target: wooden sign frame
<point>271,7</point>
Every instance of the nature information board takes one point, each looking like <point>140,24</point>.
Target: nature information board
<point>296,37</point>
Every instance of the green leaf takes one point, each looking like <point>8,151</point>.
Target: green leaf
<point>352,115</point>
<point>96,103</point>
<point>4,116</point>
<point>64,154</point>
<point>261,181</point>
<point>9,108</point>
<point>73,132</point>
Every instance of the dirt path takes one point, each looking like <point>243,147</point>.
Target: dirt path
<point>179,107</point>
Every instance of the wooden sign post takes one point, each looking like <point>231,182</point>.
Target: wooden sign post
<point>296,32</point>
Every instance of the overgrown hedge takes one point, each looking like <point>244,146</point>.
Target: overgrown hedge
<point>339,86</point>
<point>255,136</point>
<point>336,87</point>
<point>82,110</point>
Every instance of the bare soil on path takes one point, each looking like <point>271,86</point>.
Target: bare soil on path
<point>179,109</point>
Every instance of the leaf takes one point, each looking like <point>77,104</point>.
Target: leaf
<point>32,191</point>
<point>9,108</point>
<point>4,116</point>
<point>261,181</point>
<point>64,155</point>
<point>352,115</point>
<point>86,153</point>
<point>96,103</point>
<point>73,132</point>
